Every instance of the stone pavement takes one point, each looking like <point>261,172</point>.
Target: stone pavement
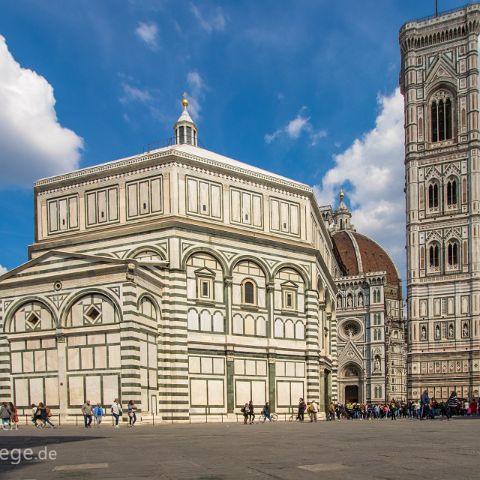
<point>328,450</point>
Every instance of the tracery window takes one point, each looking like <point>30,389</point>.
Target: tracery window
<point>452,254</point>
<point>452,192</point>
<point>433,195</point>
<point>434,256</point>
<point>441,116</point>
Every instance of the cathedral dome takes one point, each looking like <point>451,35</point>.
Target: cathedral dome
<point>357,254</point>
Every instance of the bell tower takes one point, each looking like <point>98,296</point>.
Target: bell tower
<point>439,80</point>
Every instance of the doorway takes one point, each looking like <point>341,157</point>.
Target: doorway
<point>351,394</point>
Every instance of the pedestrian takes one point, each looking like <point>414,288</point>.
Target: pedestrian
<point>98,414</point>
<point>44,413</point>
<point>245,410</point>
<point>301,409</point>
<point>14,417</point>
<point>5,416</point>
<point>426,411</point>
<point>34,414</point>
<point>116,411</point>
<point>132,415</point>
<point>87,412</point>
<point>251,413</point>
<point>452,405</point>
<point>266,412</point>
<point>393,410</point>
<point>314,411</point>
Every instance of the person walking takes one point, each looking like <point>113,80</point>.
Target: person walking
<point>87,412</point>
<point>98,414</point>
<point>314,411</point>
<point>426,411</point>
<point>301,410</point>
<point>45,413</point>
<point>266,412</point>
<point>452,405</point>
<point>116,411</point>
<point>251,413</point>
<point>245,410</point>
<point>393,410</point>
<point>5,416</point>
<point>14,416</point>
<point>132,413</point>
<point>34,414</point>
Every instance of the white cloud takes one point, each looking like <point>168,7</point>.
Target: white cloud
<point>211,20</point>
<point>294,128</point>
<point>148,32</point>
<point>372,172</point>
<point>196,93</point>
<point>2,270</point>
<point>33,143</point>
<point>134,94</point>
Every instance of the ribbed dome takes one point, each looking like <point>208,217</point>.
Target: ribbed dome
<point>358,254</point>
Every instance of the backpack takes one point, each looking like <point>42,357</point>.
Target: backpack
<point>242,409</point>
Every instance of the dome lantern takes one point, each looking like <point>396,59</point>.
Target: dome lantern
<point>185,128</point>
<point>342,216</point>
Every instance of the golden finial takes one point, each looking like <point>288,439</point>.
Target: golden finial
<point>341,195</point>
<point>184,100</point>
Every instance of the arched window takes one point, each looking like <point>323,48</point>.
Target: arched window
<point>441,117</point>
<point>433,195</point>
<point>452,192</point>
<point>249,292</point>
<point>434,256</point>
<point>452,254</point>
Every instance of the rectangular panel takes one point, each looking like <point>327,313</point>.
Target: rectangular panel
<point>92,388</point>
<point>40,362</point>
<point>218,366</point>
<point>111,389</point>
<point>156,192</point>
<point>132,195</point>
<point>192,195</point>
<point>274,215</point>
<point>239,367</point>
<point>194,364</point>
<point>257,211</point>
<point>283,395</point>
<point>73,212</point>
<point>198,392</point>
<point>242,392</point>
<point>36,389</point>
<point>76,395</point>
<point>16,362</point>
<point>28,361</point>
<point>258,393</point>
<point>215,393</point>
<point>262,368</point>
<point>152,355</point>
<point>53,216</point>
<point>21,393</point>
<point>289,369</point>
<point>246,208</point>
<point>91,208</point>
<point>294,219</point>
<point>102,206</point>
<point>235,208</point>
<point>52,360</point>
<point>284,217</point>
<point>216,199</point>
<point>206,365</point>
<point>144,198</point>
<point>250,367</point>
<point>112,204</point>
<point>62,210</point>
<point>100,357</point>
<point>296,392</point>
<point>114,356</point>
<point>51,391</point>
<point>204,198</point>
<point>73,359</point>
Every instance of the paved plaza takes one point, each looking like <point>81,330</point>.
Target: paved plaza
<point>334,450</point>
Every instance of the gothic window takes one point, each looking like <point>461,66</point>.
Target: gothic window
<point>434,256</point>
<point>181,132</point>
<point>441,117</point>
<point>249,292</point>
<point>433,195</point>
<point>452,192</point>
<point>452,254</point>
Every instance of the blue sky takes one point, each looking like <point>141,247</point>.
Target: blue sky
<point>307,89</point>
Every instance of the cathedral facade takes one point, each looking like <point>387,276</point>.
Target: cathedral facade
<point>370,329</point>
<point>440,82</point>
<point>180,279</point>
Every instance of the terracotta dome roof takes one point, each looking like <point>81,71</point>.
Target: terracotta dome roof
<point>358,254</point>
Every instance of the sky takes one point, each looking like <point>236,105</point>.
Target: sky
<point>307,89</point>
